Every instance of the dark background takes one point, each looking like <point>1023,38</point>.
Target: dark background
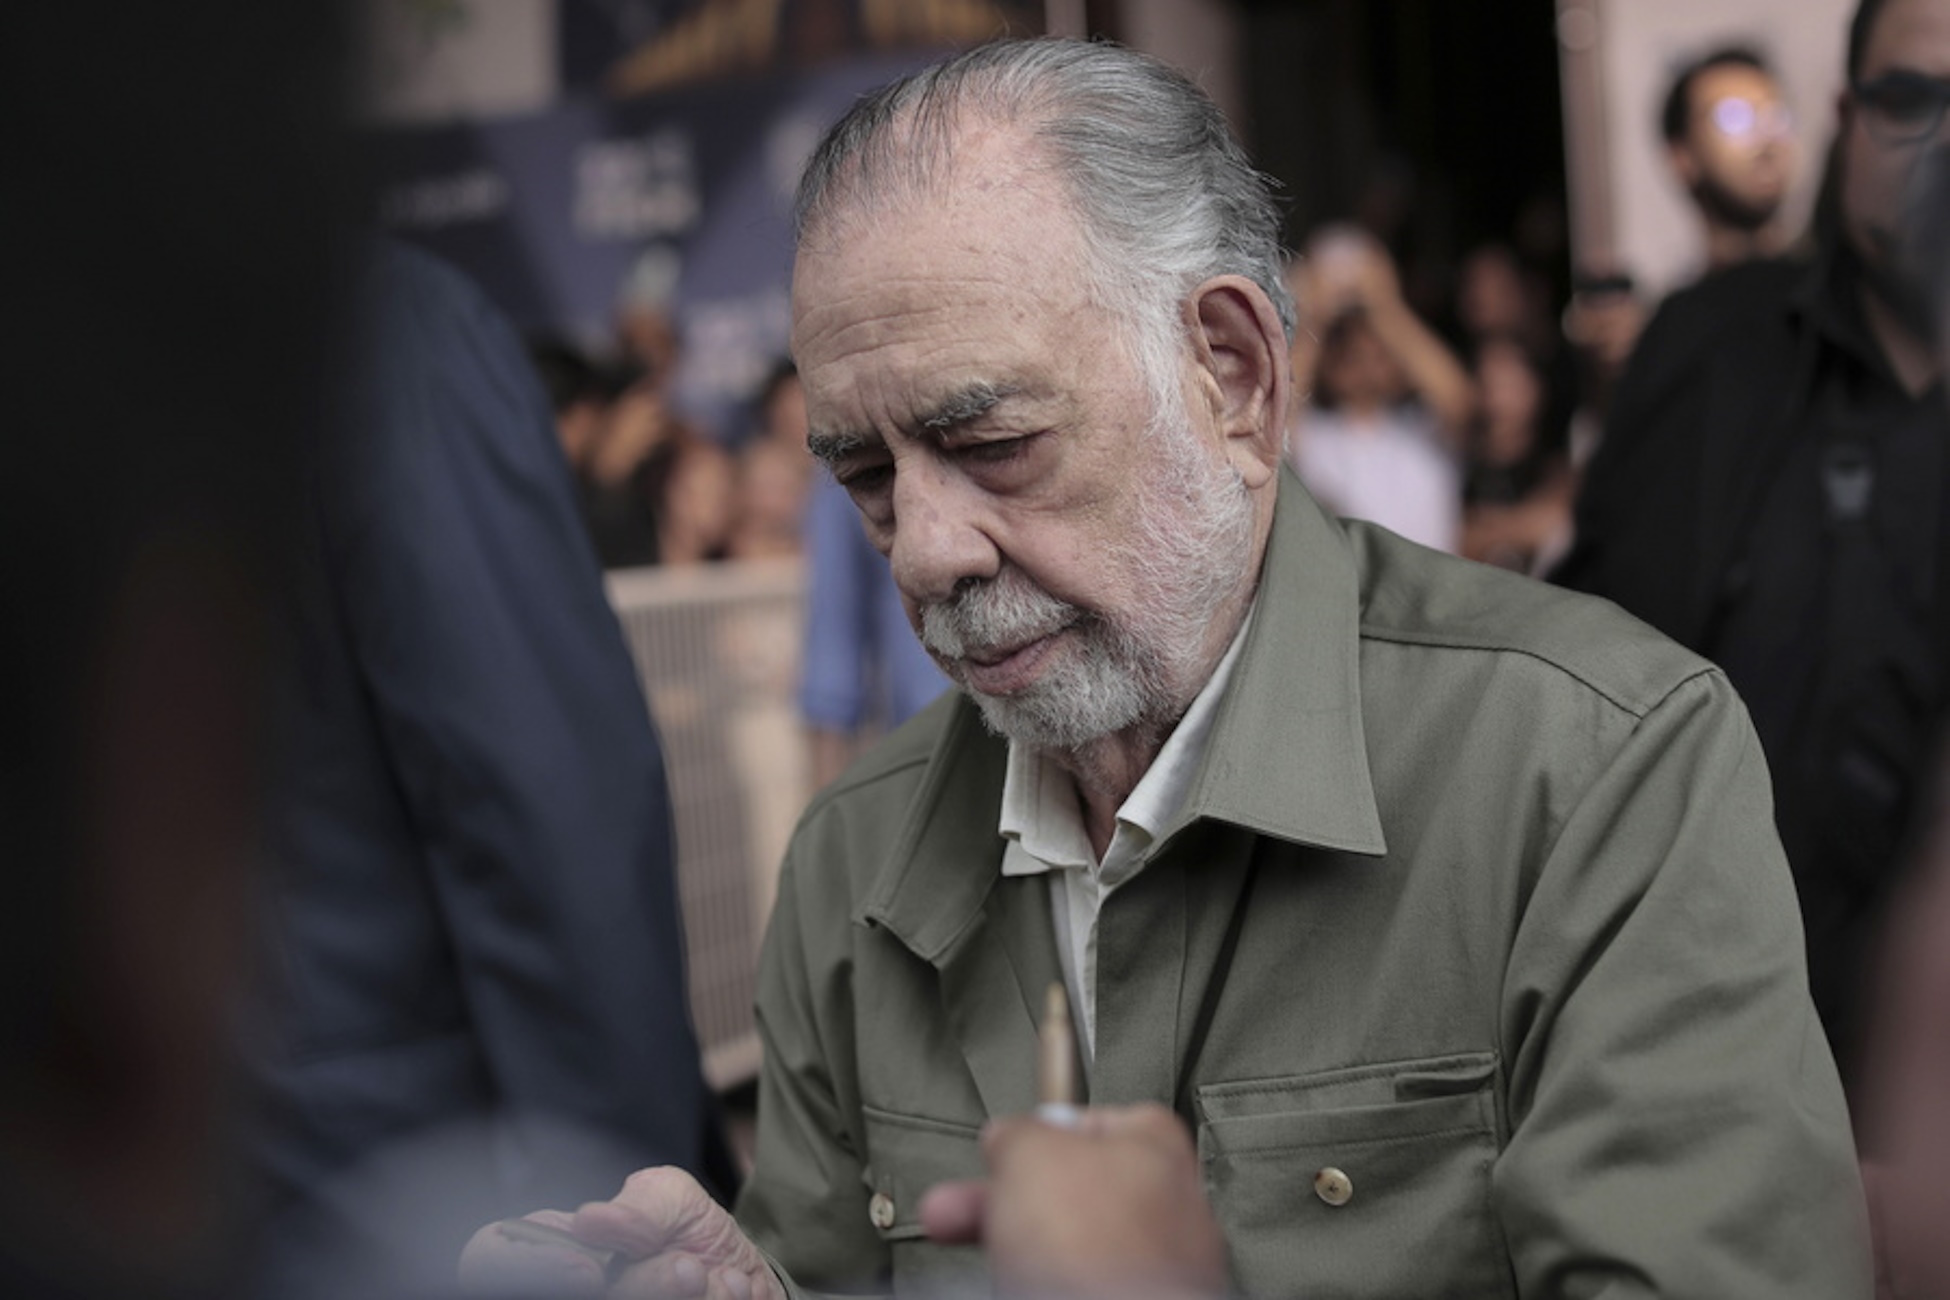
<point>1440,117</point>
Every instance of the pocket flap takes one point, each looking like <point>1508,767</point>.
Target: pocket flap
<point>1383,1083</point>
<point>906,1155</point>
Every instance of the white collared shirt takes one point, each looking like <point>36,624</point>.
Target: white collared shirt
<point>1042,823</point>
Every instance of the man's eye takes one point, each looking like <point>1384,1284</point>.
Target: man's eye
<point>859,479</point>
<point>997,451</point>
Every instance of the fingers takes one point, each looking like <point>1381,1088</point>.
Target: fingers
<point>625,1228</point>
<point>1149,1122</point>
<point>729,1284</point>
<point>663,1277</point>
<point>951,1213</point>
<point>685,1245</point>
<point>497,1261</point>
<point>686,1277</point>
<point>655,1211</point>
<point>674,1243</point>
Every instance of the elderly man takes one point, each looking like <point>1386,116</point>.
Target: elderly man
<point>1443,907</point>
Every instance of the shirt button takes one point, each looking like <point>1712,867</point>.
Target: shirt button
<point>1333,1186</point>
<point>880,1210</point>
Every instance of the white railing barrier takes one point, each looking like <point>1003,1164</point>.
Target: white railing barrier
<point>717,650</point>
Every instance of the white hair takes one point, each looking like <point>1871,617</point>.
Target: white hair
<point>1164,195</point>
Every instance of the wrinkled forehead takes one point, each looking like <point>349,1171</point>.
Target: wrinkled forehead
<point>999,225</point>
<point>919,305</point>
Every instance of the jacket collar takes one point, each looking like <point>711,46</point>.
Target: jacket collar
<point>1287,755</point>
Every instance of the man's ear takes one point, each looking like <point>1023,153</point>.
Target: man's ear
<point>1241,352</point>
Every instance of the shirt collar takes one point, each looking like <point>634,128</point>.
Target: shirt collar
<point>1042,819</point>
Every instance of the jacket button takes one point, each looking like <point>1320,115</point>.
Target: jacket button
<point>1333,1186</point>
<point>880,1210</point>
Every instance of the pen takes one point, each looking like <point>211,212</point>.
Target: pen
<point>1056,1062</point>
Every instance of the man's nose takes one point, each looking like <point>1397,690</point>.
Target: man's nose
<point>939,535</point>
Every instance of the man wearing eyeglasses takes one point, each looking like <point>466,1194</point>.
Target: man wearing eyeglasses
<point>1730,140</point>
<point>1771,492</point>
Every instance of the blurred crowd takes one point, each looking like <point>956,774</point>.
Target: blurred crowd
<point>1460,438</point>
<point>655,489</point>
<point>1461,414</point>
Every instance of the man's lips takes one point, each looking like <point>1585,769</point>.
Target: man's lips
<point>1006,671</point>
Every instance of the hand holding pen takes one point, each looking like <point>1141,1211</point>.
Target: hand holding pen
<point>1083,1202</point>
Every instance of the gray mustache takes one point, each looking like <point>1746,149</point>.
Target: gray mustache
<point>1007,610</point>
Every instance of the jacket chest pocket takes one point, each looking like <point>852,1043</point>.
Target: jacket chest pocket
<point>906,1155</point>
<point>1368,1182</point>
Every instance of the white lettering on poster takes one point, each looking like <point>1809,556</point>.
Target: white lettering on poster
<point>733,343</point>
<point>638,188</point>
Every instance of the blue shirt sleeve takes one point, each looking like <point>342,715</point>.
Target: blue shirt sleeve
<point>861,657</point>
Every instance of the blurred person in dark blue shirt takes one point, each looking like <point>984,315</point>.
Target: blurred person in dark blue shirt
<point>478,990</point>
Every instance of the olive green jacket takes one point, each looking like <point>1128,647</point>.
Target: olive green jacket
<point>1475,899</point>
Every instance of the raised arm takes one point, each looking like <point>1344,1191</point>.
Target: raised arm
<point>1352,269</point>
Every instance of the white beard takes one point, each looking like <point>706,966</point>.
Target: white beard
<point>1117,671</point>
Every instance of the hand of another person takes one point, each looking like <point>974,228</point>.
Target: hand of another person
<point>1113,1207</point>
<point>1350,268</point>
<point>1909,1206</point>
<point>1378,286</point>
<point>1906,1073</point>
<point>500,1260</point>
<point>672,1240</point>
